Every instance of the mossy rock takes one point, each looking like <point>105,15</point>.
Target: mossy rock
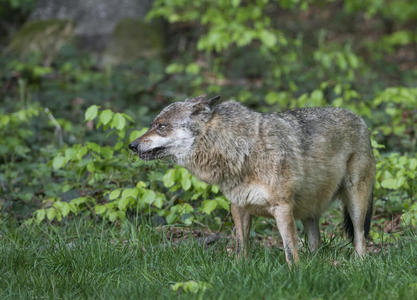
<point>133,39</point>
<point>46,37</point>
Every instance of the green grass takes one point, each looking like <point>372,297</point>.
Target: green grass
<point>86,260</point>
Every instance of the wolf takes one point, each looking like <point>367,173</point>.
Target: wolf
<point>288,165</point>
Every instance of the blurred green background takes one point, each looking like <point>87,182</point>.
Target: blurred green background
<point>80,79</point>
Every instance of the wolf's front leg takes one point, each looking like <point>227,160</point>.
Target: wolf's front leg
<point>286,225</point>
<point>242,220</point>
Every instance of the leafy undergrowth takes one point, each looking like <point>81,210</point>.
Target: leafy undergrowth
<point>90,260</point>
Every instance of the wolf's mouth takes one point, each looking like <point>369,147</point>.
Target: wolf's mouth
<point>154,153</point>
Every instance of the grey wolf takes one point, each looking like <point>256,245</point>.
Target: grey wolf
<point>288,165</point>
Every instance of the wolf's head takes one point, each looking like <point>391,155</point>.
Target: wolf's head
<point>173,131</point>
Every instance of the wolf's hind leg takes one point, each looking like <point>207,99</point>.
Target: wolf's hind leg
<point>286,225</point>
<point>357,196</point>
<point>242,220</point>
<point>311,228</point>
<point>357,206</point>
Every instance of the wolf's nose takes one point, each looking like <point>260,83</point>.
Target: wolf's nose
<point>133,146</point>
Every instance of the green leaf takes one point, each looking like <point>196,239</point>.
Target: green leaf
<point>100,209</point>
<point>73,207</point>
<point>81,152</point>
<point>62,207</point>
<point>169,178</point>
<point>58,162</point>
<point>51,213</point>
<point>185,179</point>
<point>208,206</point>
<point>106,152</point>
<point>191,286</point>
<point>376,145</point>
<point>316,96</point>
<point>124,202</point>
<point>341,61</point>
<point>140,185</point>
<point>106,116</point>
<point>114,194</point>
<point>198,184</point>
<point>185,208</point>
<point>192,68</point>
<point>235,3</point>
<point>94,147</point>
<point>113,216</point>
<point>91,113</point>
<point>171,218</point>
<point>195,196</point>
<point>174,68</point>
<point>187,219</point>
<point>392,183</point>
<point>413,164</point>
<point>159,201</point>
<point>40,215</point>
<point>65,209</point>
<point>268,38</point>
<point>137,133</point>
<point>78,201</point>
<point>91,167</point>
<point>127,117</point>
<point>121,215</point>
<point>119,122</point>
<point>70,154</point>
<point>223,202</point>
<point>272,98</point>
<point>148,196</point>
<point>119,145</point>
<point>215,189</point>
<point>130,192</point>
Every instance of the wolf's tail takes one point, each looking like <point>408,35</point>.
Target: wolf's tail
<point>348,225</point>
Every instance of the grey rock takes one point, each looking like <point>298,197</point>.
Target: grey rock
<point>92,17</point>
<point>115,30</point>
<point>46,37</point>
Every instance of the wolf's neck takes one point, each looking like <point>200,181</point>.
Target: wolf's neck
<point>219,153</point>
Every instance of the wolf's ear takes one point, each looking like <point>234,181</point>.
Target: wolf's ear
<point>202,100</point>
<point>204,107</point>
<point>197,99</point>
<point>212,101</point>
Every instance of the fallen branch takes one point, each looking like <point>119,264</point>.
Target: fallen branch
<point>58,128</point>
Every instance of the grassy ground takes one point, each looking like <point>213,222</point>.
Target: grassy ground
<point>86,260</point>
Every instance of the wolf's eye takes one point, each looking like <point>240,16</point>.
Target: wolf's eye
<point>161,128</point>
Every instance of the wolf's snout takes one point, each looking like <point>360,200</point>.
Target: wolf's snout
<point>134,146</point>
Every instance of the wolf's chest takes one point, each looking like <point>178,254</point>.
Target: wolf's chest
<point>248,194</point>
<point>206,176</point>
